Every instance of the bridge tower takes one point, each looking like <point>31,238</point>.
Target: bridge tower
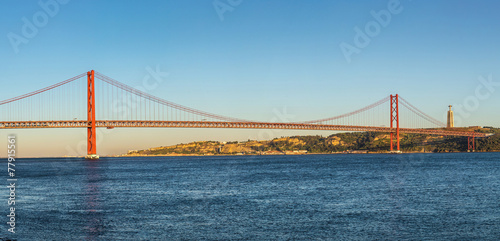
<point>395,118</point>
<point>471,145</point>
<point>91,131</point>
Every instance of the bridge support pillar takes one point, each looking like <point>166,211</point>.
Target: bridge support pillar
<point>91,130</point>
<point>471,144</point>
<point>395,118</point>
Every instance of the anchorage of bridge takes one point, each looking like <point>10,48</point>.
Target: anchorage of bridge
<point>234,125</point>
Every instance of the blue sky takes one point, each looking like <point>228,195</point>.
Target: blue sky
<point>261,57</point>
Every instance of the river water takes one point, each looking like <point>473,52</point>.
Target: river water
<point>311,197</point>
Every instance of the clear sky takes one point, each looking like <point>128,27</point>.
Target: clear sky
<point>250,58</point>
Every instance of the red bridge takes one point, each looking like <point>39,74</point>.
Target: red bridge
<point>60,105</point>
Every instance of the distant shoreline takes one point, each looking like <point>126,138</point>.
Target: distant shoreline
<point>340,143</point>
<point>199,155</point>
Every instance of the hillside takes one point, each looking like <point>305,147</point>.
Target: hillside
<point>337,143</point>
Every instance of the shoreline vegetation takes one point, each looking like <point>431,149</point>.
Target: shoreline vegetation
<point>340,143</point>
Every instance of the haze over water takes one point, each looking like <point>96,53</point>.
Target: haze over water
<point>332,197</point>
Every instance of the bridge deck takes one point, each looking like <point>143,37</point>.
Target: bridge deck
<point>236,125</point>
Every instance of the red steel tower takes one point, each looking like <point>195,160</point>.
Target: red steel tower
<point>394,118</point>
<point>91,131</point>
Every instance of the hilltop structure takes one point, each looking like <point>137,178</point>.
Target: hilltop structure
<point>450,123</point>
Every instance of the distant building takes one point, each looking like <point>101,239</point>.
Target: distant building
<point>357,151</point>
<point>296,152</point>
<point>450,123</point>
<point>272,153</point>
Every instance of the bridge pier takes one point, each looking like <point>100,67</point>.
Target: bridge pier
<point>91,131</point>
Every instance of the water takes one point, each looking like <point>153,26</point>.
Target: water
<point>313,197</point>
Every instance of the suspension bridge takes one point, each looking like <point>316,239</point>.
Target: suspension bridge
<point>99,101</point>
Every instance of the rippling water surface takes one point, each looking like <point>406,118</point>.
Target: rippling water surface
<point>313,197</point>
